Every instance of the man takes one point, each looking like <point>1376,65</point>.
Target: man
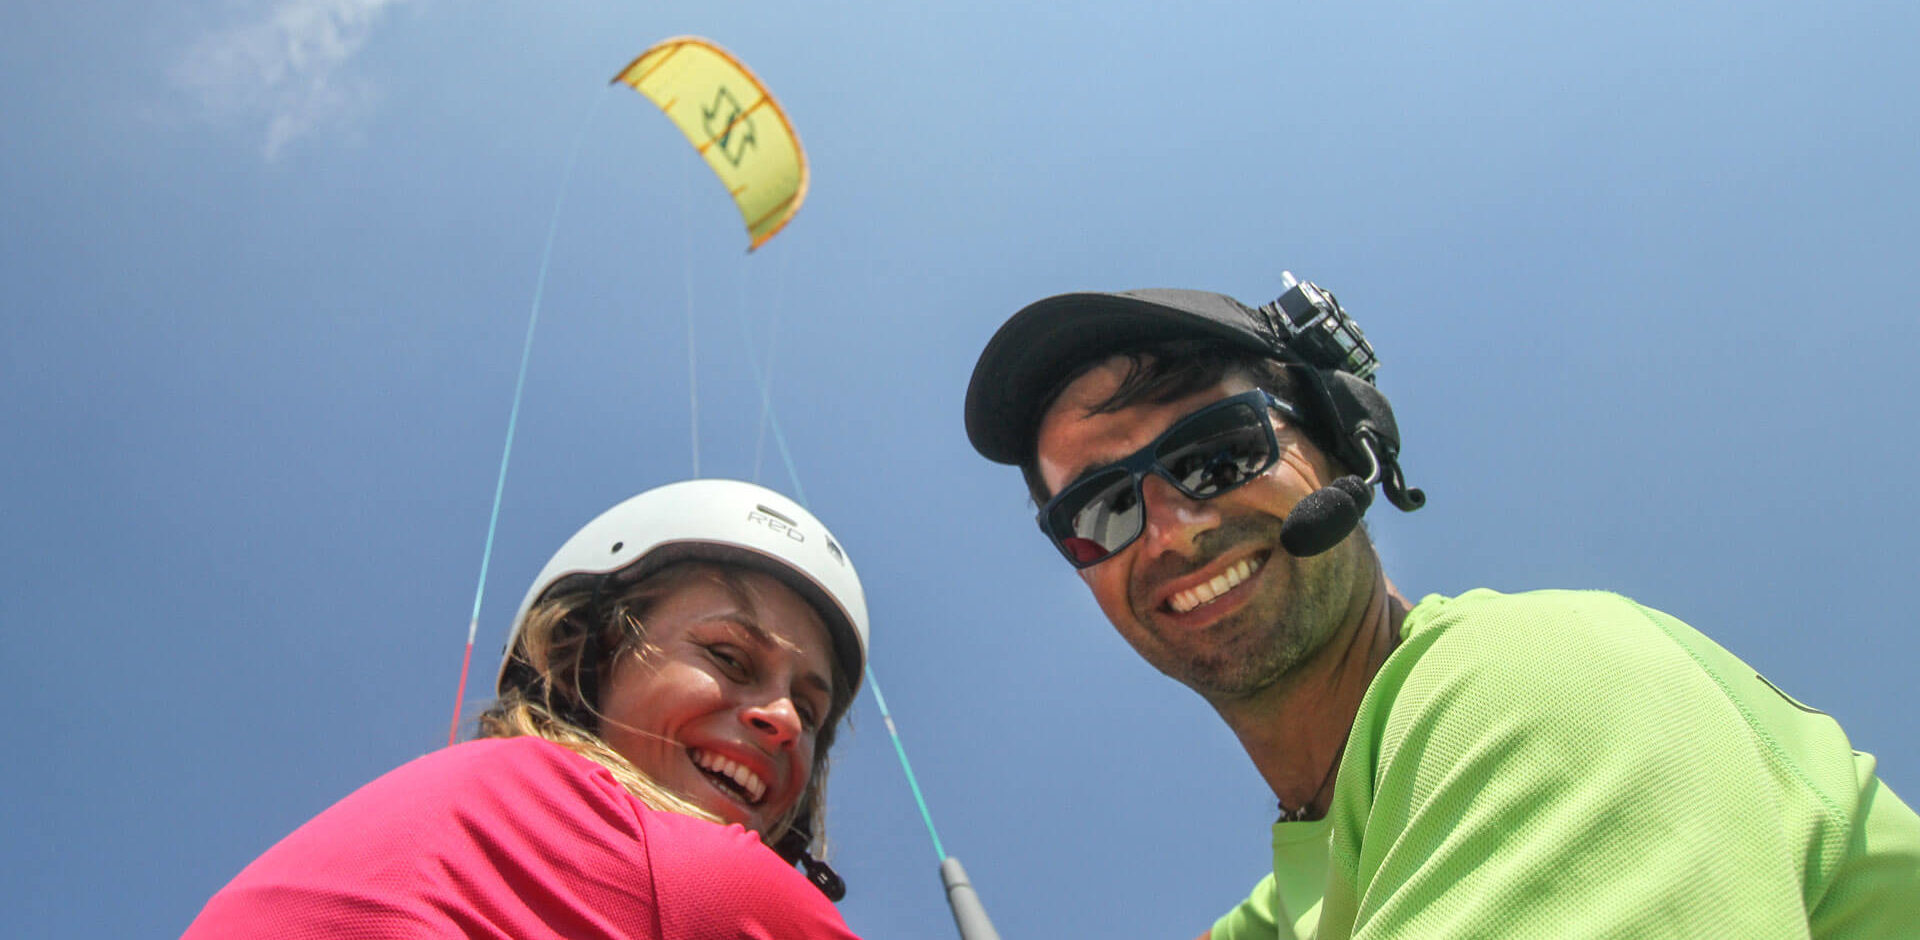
<point>1551,764</point>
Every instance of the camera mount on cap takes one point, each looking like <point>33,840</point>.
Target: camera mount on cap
<point>1311,331</point>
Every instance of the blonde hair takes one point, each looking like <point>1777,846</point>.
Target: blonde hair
<point>567,648</point>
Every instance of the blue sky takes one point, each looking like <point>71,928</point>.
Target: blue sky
<point>1640,275</point>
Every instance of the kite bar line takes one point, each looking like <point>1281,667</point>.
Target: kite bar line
<point>766,391</point>
<point>800,496</point>
<point>768,418</point>
<point>969,916</point>
<point>686,266</point>
<point>740,315</point>
<point>912,782</point>
<point>513,416</point>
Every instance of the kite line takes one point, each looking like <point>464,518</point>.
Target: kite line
<point>770,420</point>
<point>513,415</point>
<point>766,207</point>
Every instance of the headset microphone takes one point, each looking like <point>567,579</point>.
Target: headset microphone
<point>1325,517</point>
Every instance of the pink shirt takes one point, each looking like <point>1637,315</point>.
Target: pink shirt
<point>514,838</point>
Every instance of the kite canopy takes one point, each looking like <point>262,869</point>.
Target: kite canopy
<point>735,124</point>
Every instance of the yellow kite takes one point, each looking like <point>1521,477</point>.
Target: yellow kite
<point>735,124</point>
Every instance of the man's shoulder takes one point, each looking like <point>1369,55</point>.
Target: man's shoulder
<point>1534,623</point>
<point>1552,653</point>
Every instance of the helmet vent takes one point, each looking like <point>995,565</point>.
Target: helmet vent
<point>790,523</point>
<point>616,547</point>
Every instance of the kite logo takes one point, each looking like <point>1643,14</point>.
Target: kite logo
<point>727,124</point>
<point>733,123</point>
<point>776,522</point>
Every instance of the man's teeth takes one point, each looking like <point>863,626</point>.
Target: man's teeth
<point>748,781</point>
<point>1205,593</point>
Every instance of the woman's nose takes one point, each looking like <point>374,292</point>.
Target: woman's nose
<point>777,722</point>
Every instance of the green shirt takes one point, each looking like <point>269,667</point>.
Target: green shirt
<point>1572,764</point>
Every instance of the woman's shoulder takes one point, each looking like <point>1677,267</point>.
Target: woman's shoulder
<point>688,857</point>
<point>500,832</point>
<point>706,873</point>
<point>486,757</point>
<point>498,762</point>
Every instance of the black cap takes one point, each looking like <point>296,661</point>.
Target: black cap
<point>1049,339</point>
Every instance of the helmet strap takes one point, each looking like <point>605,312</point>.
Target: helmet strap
<point>793,848</point>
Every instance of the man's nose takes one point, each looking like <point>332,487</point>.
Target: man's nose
<point>1173,521</point>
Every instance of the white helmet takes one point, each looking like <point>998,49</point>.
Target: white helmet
<point>723,521</point>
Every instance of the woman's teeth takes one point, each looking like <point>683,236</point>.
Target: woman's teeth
<point>748,781</point>
<point>1227,580</point>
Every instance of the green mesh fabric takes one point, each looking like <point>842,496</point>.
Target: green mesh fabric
<point>1572,764</point>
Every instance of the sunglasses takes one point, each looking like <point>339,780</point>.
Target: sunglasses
<point>1215,450</point>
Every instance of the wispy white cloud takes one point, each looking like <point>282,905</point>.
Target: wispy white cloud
<point>287,69</point>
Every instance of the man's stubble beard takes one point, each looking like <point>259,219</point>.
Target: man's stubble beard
<point>1257,647</point>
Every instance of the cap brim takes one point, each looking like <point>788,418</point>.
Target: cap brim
<point>1050,339</point>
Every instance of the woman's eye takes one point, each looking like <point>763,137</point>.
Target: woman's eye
<point>729,659</point>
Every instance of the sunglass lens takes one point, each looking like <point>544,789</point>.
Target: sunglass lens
<point>1217,451</point>
<point>1084,552</point>
<point>1097,516</point>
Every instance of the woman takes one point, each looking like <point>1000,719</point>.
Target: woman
<point>653,767</point>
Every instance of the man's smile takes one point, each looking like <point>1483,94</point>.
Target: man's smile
<point>1206,593</point>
